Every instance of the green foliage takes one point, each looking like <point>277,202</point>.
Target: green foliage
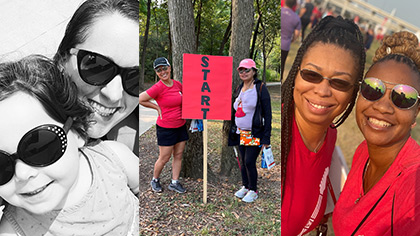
<point>215,17</point>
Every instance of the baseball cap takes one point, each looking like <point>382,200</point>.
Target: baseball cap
<point>161,61</point>
<point>247,63</point>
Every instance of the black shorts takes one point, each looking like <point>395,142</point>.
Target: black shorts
<point>171,136</point>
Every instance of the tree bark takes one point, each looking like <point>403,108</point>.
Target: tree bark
<point>242,21</point>
<point>144,44</point>
<point>257,26</point>
<point>181,21</point>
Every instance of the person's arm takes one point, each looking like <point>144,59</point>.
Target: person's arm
<point>144,100</point>
<point>295,35</point>
<point>266,104</point>
<point>130,163</point>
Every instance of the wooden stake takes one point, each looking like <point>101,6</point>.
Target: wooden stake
<point>205,161</point>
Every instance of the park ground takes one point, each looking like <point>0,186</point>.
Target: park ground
<point>170,213</point>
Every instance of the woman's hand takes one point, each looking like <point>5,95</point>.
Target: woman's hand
<point>159,112</point>
<point>144,100</point>
<point>264,146</point>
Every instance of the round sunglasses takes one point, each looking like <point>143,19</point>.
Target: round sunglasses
<point>403,96</point>
<point>316,78</point>
<point>98,70</point>
<point>39,147</point>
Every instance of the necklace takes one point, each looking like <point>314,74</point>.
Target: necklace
<point>319,144</point>
<point>363,181</point>
<point>304,140</point>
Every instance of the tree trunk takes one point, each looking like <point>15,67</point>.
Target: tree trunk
<point>226,35</point>
<point>181,21</point>
<point>242,21</point>
<point>254,39</point>
<point>197,41</point>
<point>143,51</point>
<point>264,52</point>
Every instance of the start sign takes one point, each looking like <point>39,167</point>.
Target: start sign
<point>207,87</point>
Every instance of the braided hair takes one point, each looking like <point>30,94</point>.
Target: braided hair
<point>330,30</point>
<point>402,47</point>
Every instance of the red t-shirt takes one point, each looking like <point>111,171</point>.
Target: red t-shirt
<point>305,192</point>
<point>169,100</point>
<point>406,187</point>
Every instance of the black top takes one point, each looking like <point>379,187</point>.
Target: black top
<point>261,121</point>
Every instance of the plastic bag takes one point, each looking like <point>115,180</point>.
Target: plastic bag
<point>268,157</point>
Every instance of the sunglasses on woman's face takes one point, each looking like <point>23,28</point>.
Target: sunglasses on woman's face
<point>98,70</point>
<point>39,147</point>
<point>403,96</point>
<point>161,68</point>
<point>316,78</point>
<point>241,71</point>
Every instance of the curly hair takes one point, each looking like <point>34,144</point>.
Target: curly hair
<point>402,47</point>
<point>330,30</point>
<point>39,77</point>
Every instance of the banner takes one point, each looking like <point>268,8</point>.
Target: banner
<point>207,87</point>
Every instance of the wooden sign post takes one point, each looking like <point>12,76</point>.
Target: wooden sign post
<point>207,88</point>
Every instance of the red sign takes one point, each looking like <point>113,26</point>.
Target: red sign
<point>207,87</point>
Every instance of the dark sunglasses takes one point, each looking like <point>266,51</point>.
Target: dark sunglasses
<point>241,71</point>
<point>316,78</point>
<point>98,70</point>
<point>39,147</point>
<point>161,68</point>
<point>403,96</point>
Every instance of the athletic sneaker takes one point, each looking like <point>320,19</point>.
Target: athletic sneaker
<point>176,187</point>
<point>250,196</point>
<point>156,187</point>
<point>241,192</point>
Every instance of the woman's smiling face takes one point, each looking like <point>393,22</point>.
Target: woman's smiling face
<point>381,122</point>
<point>115,37</point>
<point>319,103</point>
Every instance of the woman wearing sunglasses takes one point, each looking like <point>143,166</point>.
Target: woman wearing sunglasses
<point>171,130</point>
<point>321,88</point>
<point>253,122</point>
<point>100,53</point>
<point>52,184</point>
<point>382,192</point>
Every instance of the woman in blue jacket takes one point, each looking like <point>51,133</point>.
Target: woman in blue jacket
<point>253,125</point>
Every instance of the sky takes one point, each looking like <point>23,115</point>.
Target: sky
<point>407,10</point>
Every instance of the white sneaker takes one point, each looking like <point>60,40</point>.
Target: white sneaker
<point>250,196</point>
<point>241,192</point>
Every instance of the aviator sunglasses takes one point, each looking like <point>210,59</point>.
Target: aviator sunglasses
<point>39,147</point>
<point>98,70</point>
<point>316,78</point>
<point>403,96</point>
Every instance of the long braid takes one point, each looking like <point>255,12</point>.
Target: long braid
<point>330,30</point>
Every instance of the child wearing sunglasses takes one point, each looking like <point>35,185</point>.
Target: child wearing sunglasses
<point>51,182</point>
<point>100,53</point>
<point>382,192</point>
<point>321,88</point>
